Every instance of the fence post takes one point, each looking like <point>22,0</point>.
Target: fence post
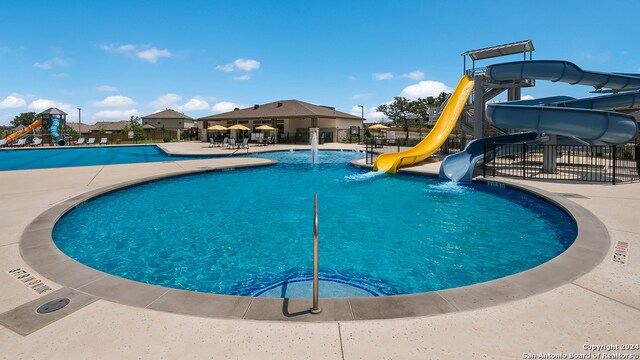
<point>524,161</point>
<point>484,160</point>
<point>495,159</point>
<point>613,181</point>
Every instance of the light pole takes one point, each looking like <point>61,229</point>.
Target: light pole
<point>79,122</point>
<point>362,108</point>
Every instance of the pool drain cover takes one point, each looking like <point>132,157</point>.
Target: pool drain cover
<point>53,305</point>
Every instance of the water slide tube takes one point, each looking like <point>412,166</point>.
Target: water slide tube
<point>15,135</point>
<point>460,166</point>
<point>436,137</point>
<point>55,135</point>
<point>579,118</point>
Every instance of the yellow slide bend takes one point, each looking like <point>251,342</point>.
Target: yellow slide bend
<point>15,135</point>
<point>436,137</point>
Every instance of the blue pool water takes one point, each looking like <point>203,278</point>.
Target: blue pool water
<point>23,159</point>
<point>249,232</point>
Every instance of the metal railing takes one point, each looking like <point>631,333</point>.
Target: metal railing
<point>607,163</point>
<point>315,309</point>
<point>376,146</point>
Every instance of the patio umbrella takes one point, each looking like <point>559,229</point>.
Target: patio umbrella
<point>265,127</point>
<point>238,127</point>
<point>378,127</point>
<point>217,128</point>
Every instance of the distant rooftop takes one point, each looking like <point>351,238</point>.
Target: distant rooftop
<point>500,50</point>
<point>53,111</point>
<point>167,114</point>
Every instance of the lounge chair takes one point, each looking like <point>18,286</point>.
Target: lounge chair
<point>225,141</point>
<point>80,141</point>
<point>231,143</point>
<point>3,143</point>
<point>211,142</point>
<point>36,142</point>
<point>91,141</point>
<point>269,140</point>
<point>103,141</point>
<point>245,143</point>
<point>21,142</point>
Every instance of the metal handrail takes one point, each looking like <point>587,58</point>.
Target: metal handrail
<point>315,309</point>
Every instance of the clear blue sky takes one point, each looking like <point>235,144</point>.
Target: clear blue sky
<point>120,58</point>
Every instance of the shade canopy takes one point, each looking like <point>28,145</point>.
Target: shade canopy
<point>238,127</point>
<point>217,128</point>
<point>378,127</point>
<point>265,127</point>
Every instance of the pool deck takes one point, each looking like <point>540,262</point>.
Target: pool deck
<point>600,307</point>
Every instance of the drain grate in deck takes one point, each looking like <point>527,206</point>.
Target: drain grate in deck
<point>573,195</point>
<point>43,311</point>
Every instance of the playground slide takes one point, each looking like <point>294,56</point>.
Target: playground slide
<point>460,166</point>
<point>438,135</point>
<point>15,135</point>
<point>55,135</point>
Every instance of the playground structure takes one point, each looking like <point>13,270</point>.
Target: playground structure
<point>552,121</point>
<point>52,119</point>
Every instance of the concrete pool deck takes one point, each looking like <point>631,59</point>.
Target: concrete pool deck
<point>600,307</point>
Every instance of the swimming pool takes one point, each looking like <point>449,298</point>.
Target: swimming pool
<point>246,232</point>
<point>23,159</point>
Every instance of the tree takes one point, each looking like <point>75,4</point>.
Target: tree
<point>135,126</point>
<point>420,108</point>
<point>70,131</point>
<point>398,111</point>
<point>24,119</point>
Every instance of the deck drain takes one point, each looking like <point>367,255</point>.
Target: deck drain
<point>53,305</point>
<point>573,195</point>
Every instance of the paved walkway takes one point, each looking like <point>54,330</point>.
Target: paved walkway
<point>601,307</point>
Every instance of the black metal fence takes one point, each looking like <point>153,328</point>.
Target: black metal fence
<point>610,163</point>
<point>375,146</point>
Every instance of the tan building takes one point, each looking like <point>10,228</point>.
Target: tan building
<point>291,118</point>
<point>169,119</point>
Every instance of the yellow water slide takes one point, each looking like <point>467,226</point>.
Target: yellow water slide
<point>436,137</point>
<point>16,134</point>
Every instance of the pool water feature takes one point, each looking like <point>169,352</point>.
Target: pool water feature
<point>249,232</point>
<point>23,159</point>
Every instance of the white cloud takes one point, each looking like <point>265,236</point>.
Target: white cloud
<point>11,102</point>
<point>247,64</point>
<point>225,106</point>
<point>144,52</point>
<point>225,68</point>
<point>57,61</point>
<point>115,101</point>
<point>240,64</point>
<point>106,88</point>
<point>424,89</point>
<point>414,75</point>
<point>243,77</point>
<point>43,104</point>
<point>370,114</point>
<point>166,101</point>
<point>116,114</point>
<point>383,76</point>
<point>194,104</point>
<point>152,55</point>
<point>527,97</point>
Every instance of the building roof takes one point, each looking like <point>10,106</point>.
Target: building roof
<point>148,126</point>
<point>500,50</point>
<point>167,114</point>
<point>53,111</point>
<point>86,128</point>
<point>282,109</point>
<point>109,125</point>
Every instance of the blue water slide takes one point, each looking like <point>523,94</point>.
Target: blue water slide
<point>53,130</point>
<point>460,166</point>
<point>583,119</point>
<point>564,71</point>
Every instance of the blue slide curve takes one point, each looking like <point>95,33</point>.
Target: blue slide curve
<point>581,118</point>
<point>55,135</point>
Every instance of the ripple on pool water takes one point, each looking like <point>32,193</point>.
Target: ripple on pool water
<point>237,232</point>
